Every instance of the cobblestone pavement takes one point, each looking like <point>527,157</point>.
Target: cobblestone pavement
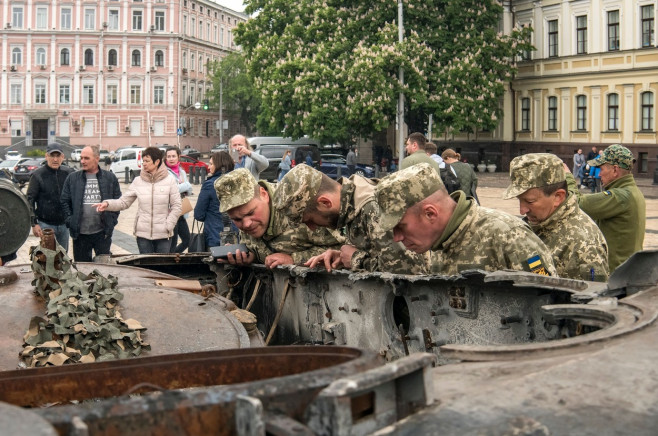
<point>490,191</point>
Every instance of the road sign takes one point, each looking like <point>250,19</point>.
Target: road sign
<point>197,105</point>
<point>179,131</point>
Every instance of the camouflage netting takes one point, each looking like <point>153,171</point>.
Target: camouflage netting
<point>82,321</point>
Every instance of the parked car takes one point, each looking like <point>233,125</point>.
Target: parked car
<point>11,164</point>
<point>220,147</point>
<point>274,147</point>
<point>188,163</point>
<point>331,163</point>
<point>75,155</point>
<point>13,154</point>
<point>191,152</point>
<point>24,170</point>
<point>127,160</point>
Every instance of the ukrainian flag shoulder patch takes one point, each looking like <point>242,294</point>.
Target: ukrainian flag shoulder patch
<point>607,193</point>
<point>536,266</point>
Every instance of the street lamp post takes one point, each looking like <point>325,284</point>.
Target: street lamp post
<point>400,121</point>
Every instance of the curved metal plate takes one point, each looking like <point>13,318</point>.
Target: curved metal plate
<point>176,321</point>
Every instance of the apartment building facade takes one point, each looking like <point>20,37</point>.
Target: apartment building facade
<point>592,81</point>
<point>112,73</point>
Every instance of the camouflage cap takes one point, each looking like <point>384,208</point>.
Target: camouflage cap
<point>235,188</point>
<point>533,170</point>
<point>616,154</point>
<point>399,191</point>
<point>296,191</point>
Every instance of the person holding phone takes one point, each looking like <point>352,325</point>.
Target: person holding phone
<point>244,156</point>
<point>285,165</point>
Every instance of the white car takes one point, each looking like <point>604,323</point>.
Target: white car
<point>75,155</point>
<point>12,154</point>
<point>10,164</point>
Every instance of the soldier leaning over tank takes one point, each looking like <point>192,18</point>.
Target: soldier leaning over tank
<point>460,234</point>
<point>309,196</point>
<point>578,246</point>
<point>268,234</point>
<point>619,210</point>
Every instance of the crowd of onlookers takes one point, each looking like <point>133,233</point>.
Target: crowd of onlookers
<point>424,218</point>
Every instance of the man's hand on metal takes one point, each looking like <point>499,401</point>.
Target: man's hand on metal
<point>36,230</point>
<point>330,259</point>
<point>277,259</point>
<point>346,253</point>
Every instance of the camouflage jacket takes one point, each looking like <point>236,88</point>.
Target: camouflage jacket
<point>578,246</point>
<point>376,250</point>
<point>299,242</point>
<point>621,214</point>
<point>417,157</point>
<point>480,238</point>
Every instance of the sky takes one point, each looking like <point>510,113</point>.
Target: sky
<point>236,5</point>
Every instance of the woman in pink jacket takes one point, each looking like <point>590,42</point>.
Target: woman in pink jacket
<point>159,203</point>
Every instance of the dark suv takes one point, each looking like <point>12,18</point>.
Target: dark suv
<point>273,148</point>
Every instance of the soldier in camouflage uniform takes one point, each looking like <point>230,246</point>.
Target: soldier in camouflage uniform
<point>619,210</point>
<point>460,234</point>
<point>309,196</point>
<point>578,246</point>
<point>268,234</point>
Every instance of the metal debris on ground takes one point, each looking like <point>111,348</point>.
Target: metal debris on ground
<point>82,322</point>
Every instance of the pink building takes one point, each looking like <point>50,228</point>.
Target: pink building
<point>112,73</point>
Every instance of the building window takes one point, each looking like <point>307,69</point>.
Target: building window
<point>90,19</point>
<point>159,58</point>
<point>113,17</point>
<point>42,17</point>
<point>647,26</point>
<point>613,112</point>
<point>613,30</point>
<point>581,112</point>
<point>581,34</point>
<point>200,29</point>
<point>65,19</point>
<point>643,162</point>
<point>184,25</point>
<point>136,58</point>
<point>552,113</point>
<point>40,94</point>
<point>159,20</point>
<point>192,62</point>
<point>192,26</point>
<point>135,94</point>
<point>184,60</point>
<point>229,42</point>
<point>552,38</point>
<point>208,31</point>
<point>41,56</point>
<point>525,114</point>
<point>221,36</point>
<point>17,17</point>
<point>89,57</point>
<point>158,94</point>
<point>647,111</point>
<point>184,94</point>
<point>112,93</point>
<point>88,94</point>
<point>214,35</point>
<point>64,94</point>
<point>16,56</point>
<point>16,93</point>
<point>112,57</point>
<point>65,57</point>
<point>137,20</point>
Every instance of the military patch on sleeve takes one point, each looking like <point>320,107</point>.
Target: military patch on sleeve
<point>536,266</point>
<point>607,193</point>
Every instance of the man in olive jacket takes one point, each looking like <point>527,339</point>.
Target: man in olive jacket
<point>619,210</point>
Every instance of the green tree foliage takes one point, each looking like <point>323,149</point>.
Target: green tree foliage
<point>330,68</point>
<point>239,95</point>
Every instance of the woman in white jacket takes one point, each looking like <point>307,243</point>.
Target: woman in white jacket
<point>159,203</point>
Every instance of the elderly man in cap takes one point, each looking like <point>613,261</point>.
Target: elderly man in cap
<point>619,210</point>
<point>460,234</point>
<point>578,246</point>
<point>268,234</point>
<point>43,194</point>
<point>309,196</point>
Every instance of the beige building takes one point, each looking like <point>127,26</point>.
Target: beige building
<point>112,73</point>
<point>592,81</point>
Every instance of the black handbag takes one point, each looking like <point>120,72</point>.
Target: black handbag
<point>197,238</point>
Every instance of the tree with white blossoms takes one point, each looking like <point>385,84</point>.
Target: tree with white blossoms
<point>329,69</point>
<point>239,95</point>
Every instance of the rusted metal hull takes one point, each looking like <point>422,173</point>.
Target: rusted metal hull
<point>176,321</point>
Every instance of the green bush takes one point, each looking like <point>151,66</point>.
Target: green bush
<point>36,153</point>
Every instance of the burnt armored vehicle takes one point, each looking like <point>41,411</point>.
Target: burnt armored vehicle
<point>478,353</point>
